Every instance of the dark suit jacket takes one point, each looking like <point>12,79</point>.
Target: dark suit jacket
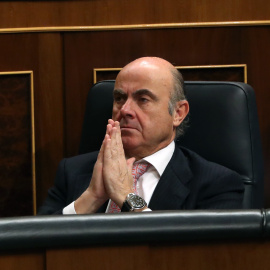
<point>188,182</point>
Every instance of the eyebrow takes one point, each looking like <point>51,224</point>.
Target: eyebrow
<point>136,93</point>
<point>118,92</point>
<point>147,92</point>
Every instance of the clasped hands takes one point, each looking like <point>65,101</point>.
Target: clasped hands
<point>112,175</point>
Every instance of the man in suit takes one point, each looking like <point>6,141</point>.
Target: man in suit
<point>149,111</point>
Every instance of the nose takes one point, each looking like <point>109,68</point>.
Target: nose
<point>127,109</point>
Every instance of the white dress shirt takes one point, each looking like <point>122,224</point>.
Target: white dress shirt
<point>147,183</point>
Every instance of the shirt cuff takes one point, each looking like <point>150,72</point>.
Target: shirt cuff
<point>146,210</point>
<point>69,210</point>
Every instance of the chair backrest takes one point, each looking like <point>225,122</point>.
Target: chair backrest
<point>223,128</point>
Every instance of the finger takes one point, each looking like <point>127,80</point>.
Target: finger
<point>111,122</point>
<point>101,152</point>
<point>113,135</point>
<point>117,145</point>
<point>114,146</point>
<point>117,125</point>
<point>107,149</point>
<point>119,138</point>
<point>109,129</point>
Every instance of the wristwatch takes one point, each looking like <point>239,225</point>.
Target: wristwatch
<point>133,202</point>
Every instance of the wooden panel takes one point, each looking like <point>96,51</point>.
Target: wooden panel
<point>107,12</point>
<point>17,179</point>
<point>226,256</point>
<point>236,73</point>
<point>22,261</point>
<point>204,256</point>
<point>49,111</point>
<point>42,54</point>
<point>98,258</point>
<point>230,73</point>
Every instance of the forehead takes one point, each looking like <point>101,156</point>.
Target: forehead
<point>155,79</point>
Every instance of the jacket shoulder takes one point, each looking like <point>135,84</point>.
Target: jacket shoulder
<point>199,163</point>
<point>80,164</point>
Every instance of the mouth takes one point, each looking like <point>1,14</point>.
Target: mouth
<point>127,127</point>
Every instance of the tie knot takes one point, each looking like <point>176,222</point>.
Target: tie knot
<point>139,169</point>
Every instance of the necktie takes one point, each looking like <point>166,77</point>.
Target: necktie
<point>137,171</point>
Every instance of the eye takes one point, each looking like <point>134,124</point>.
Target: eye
<point>143,99</point>
<point>118,99</point>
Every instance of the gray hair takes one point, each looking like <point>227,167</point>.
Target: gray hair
<point>177,94</point>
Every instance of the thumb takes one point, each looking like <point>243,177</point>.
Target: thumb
<point>130,162</point>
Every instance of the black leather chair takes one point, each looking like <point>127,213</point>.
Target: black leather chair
<point>223,128</point>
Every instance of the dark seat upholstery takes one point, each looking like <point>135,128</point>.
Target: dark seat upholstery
<point>223,128</point>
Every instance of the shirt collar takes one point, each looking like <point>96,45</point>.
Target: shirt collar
<point>161,158</point>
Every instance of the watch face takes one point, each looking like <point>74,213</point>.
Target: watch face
<point>137,202</point>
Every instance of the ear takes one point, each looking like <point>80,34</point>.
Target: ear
<point>180,112</point>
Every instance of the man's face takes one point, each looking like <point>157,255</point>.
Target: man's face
<point>141,98</point>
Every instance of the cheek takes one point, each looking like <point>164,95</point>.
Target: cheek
<point>115,113</point>
<point>161,121</point>
<point>149,121</point>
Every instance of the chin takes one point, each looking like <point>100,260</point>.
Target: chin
<point>130,143</point>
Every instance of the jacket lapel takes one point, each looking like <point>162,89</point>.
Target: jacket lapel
<point>171,190</point>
